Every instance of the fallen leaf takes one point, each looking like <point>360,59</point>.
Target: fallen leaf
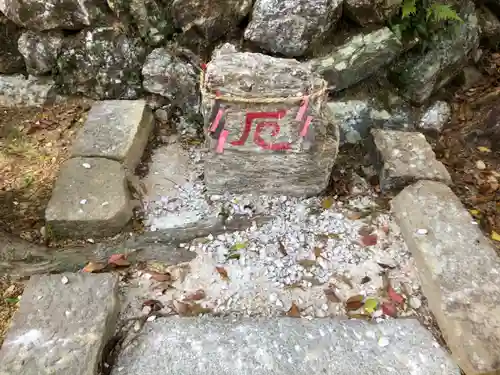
<point>196,296</point>
<point>386,266</point>
<point>12,300</point>
<point>238,246</point>
<point>327,203</point>
<point>233,256</point>
<point>282,249</point>
<point>189,309</point>
<point>222,272</point>
<point>317,252</point>
<point>294,311</point>
<point>389,309</point>
<point>495,236</point>
<point>483,149</point>
<point>365,280</point>
<point>93,267</point>
<point>475,213</point>
<point>118,260</point>
<point>154,304</point>
<point>160,277</point>
<point>369,240</point>
<point>347,281</point>
<point>359,316</point>
<point>354,215</point>
<point>395,296</point>
<point>307,263</point>
<point>370,305</point>
<point>354,303</point>
<point>331,295</point>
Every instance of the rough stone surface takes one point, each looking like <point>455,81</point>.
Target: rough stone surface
<point>61,328</point>
<point>420,75</point>
<point>89,202</point>
<point>151,17</point>
<point>227,346</point>
<point>40,50</point>
<point>117,130</point>
<point>357,114</point>
<point>435,117</point>
<point>358,58</point>
<point>210,18</point>
<point>459,270</point>
<point>17,90</point>
<point>11,61</point>
<point>294,27</point>
<point>405,157</point>
<point>365,12</point>
<point>277,159</point>
<point>42,15</point>
<point>101,63</point>
<point>490,26</point>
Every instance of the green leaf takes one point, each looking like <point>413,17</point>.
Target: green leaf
<point>238,246</point>
<point>370,305</point>
<point>233,256</point>
<point>12,300</point>
<point>408,8</point>
<point>443,12</point>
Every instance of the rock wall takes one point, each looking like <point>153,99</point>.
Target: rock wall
<point>122,49</point>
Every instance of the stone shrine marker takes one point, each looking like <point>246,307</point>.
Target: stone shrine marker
<point>267,126</point>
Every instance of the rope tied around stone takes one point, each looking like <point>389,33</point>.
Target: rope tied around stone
<point>261,100</point>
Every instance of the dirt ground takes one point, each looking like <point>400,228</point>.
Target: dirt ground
<point>10,293</point>
<point>34,142</point>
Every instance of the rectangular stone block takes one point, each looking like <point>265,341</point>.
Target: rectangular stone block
<point>284,346</point>
<point>459,270</point>
<point>117,130</point>
<point>266,138</point>
<point>90,199</point>
<point>61,328</point>
<point>403,158</point>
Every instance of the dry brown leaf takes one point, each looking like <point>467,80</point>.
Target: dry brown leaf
<point>282,249</point>
<point>294,311</point>
<point>190,309</point>
<point>118,260</point>
<point>196,296</point>
<point>161,277</point>
<point>154,304</point>
<point>369,240</point>
<point>354,303</point>
<point>222,272</point>
<point>317,252</point>
<point>94,267</point>
<point>354,215</point>
<point>307,263</point>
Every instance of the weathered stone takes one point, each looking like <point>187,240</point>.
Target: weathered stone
<point>435,117</point>
<point>459,271</point>
<point>117,130</point>
<point>365,12</point>
<point>419,75</point>
<point>211,18</point>
<point>11,61</point>
<point>403,158</point>
<point>358,58</point>
<point>278,159</point>
<point>490,26</point>
<point>89,202</point>
<point>61,328</point>
<point>470,77</point>
<point>356,114</point>
<point>151,17</point>
<point>40,50</point>
<point>280,346</point>
<point>17,90</point>
<point>293,27</point>
<point>42,15</point>
<point>101,63</point>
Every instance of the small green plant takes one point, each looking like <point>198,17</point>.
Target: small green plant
<point>423,18</point>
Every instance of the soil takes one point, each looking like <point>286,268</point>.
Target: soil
<point>470,148</point>
<point>34,142</point>
<point>10,293</point>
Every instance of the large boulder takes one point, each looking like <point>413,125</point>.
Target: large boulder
<point>490,27</point>
<point>17,90</point>
<point>419,75</point>
<point>211,18</point>
<point>11,61</point>
<point>42,15</point>
<point>40,50</point>
<point>365,12</point>
<point>276,136</point>
<point>101,63</point>
<point>292,27</point>
<point>152,18</point>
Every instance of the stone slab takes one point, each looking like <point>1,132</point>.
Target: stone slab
<point>459,271</point>
<point>61,329</point>
<point>403,158</point>
<point>117,130</point>
<point>223,346</point>
<point>16,90</point>
<point>90,199</point>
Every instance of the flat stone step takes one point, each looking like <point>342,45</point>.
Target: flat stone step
<point>62,325</point>
<point>217,346</point>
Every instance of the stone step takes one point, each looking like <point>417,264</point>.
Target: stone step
<point>62,325</point>
<point>227,346</point>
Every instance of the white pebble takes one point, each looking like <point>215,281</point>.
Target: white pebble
<point>64,280</point>
<point>383,342</point>
<point>422,231</point>
<point>83,201</point>
<point>86,165</point>
<point>415,303</point>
